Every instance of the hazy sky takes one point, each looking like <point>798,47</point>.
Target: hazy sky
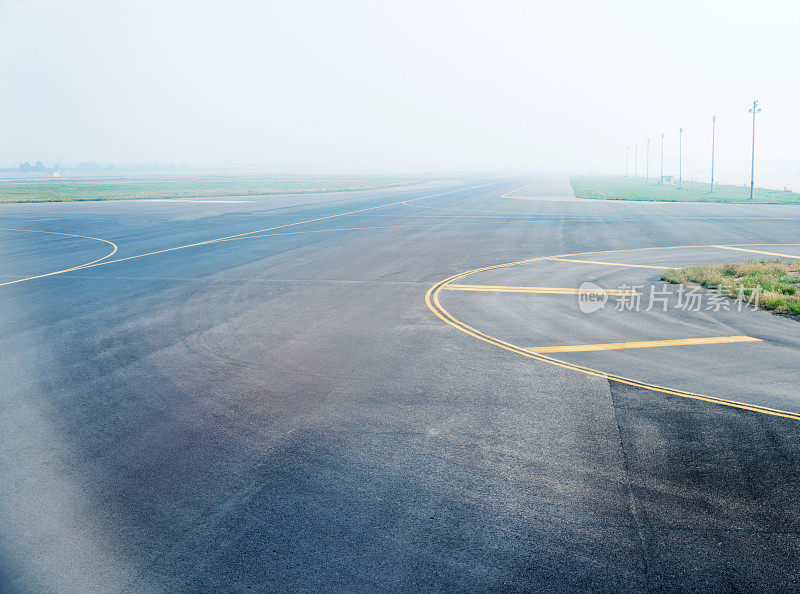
<point>405,85</point>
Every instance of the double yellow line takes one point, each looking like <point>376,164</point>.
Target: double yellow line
<point>433,303</point>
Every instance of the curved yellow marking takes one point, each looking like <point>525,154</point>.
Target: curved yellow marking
<point>108,255</point>
<point>432,301</point>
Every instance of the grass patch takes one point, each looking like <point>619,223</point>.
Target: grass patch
<point>770,284</point>
<point>620,188</point>
<point>138,188</point>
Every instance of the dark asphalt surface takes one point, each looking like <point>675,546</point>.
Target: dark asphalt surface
<point>282,412</point>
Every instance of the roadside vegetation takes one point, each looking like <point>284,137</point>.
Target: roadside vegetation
<point>620,188</point>
<point>770,284</point>
<point>138,188</point>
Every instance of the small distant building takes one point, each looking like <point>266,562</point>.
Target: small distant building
<point>666,179</point>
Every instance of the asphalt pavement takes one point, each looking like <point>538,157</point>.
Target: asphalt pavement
<point>255,394</point>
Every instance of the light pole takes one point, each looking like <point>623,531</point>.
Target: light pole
<point>647,163</point>
<point>661,179</point>
<point>636,162</point>
<point>627,150</point>
<point>680,158</point>
<point>754,110</point>
<point>713,138</point>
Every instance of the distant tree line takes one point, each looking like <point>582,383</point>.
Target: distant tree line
<point>28,168</point>
<point>40,167</point>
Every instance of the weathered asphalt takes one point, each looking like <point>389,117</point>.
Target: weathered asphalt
<point>284,413</point>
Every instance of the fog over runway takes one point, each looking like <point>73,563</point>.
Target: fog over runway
<point>255,394</point>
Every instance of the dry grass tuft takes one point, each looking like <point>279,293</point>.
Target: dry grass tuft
<point>771,284</point>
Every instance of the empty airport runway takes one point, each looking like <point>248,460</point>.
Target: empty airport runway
<point>299,393</point>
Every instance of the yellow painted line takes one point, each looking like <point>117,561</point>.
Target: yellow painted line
<point>433,303</point>
<point>113,251</point>
<point>516,189</point>
<point>249,233</point>
<point>738,249</point>
<point>645,344</point>
<point>606,263</point>
<point>543,290</point>
<point>102,261</point>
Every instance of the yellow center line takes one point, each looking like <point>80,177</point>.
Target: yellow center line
<point>104,261</point>
<point>516,189</point>
<point>251,233</point>
<point>738,249</point>
<point>606,263</point>
<point>544,290</point>
<point>646,344</point>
